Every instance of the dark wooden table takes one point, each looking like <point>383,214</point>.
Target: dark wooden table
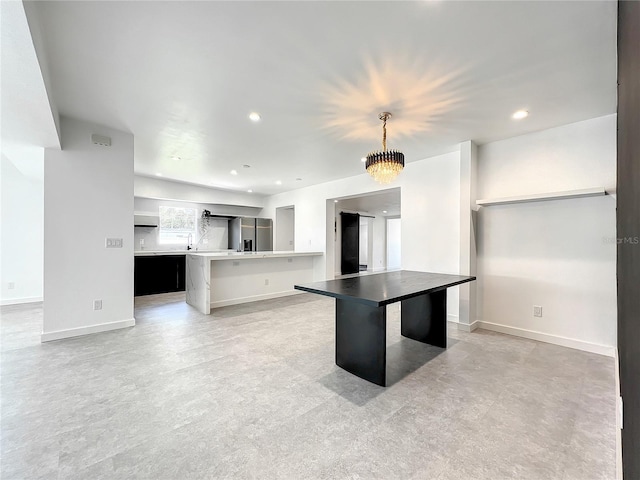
<point>361,315</point>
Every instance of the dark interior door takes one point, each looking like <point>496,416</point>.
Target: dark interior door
<point>628,234</point>
<point>350,259</point>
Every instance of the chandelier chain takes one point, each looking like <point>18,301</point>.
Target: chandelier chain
<point>384,165</point>
<point>384,134</point>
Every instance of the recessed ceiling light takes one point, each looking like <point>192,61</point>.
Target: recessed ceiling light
<point>384,211</point>
<point>233,172</point>
<point>335,201</point>
<point>176,158</point>
<point>250,191</point>
<point>298,179</point>
<point>158,174</point>
<point>246,166</point>
<point>278,182</point>
<point>520,114</point>
<point>363,159</point>
<point>254,116</point>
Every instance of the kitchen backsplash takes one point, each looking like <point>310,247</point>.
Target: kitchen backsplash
<point>216,237</point>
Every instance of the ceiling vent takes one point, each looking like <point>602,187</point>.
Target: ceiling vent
<point>100,140</point>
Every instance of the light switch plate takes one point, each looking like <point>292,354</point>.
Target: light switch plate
<point>113,243</point>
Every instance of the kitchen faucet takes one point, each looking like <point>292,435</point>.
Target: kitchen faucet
<point>189,241</point>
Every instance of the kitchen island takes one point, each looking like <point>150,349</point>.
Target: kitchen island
<point>217,279</point>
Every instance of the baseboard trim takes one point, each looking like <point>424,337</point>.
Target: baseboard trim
<point>19,301</point>
<point>606,350</point>
<point>453,319</point>
<point>619,469</point>
<point>254,298</point>
<point>80,331</point>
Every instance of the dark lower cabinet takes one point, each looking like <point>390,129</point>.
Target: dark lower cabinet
<point>159,274</point>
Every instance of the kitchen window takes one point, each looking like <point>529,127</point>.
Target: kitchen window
<point>176,224</point>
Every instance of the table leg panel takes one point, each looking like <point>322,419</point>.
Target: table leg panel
<point>361,333</point>
<point>424,318</point>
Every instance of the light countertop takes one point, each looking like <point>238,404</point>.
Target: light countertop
<point>252,255</point>
<point>151,253</point>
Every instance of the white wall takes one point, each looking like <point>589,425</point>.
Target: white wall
<point>284,226</point>
<point>430,215</point>
<point>579,155</point>
<point>394,239</point>
<point>555,254</point>
<point>21,227</point>
<point>378,244</point>
<point>88,193</point>
<point>363,247</point>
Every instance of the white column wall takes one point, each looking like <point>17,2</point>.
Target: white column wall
<point>468,178</point>
<point>88,193</point>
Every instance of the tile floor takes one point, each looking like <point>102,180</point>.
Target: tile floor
<point>252,392</point>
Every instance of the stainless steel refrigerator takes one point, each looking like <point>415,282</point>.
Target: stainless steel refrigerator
<point>248,234</point>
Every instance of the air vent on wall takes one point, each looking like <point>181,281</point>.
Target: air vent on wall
<point>100,140</point>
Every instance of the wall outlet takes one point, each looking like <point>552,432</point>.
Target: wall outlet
<point>236,263</point>
<point>266,281</point>
<point>290,260</point>
<point>113,242</point>
<point>290,242</point>
<point>537,311</point>
<point>11,285</point>
<point>97,304</point>
<point>141,241</point>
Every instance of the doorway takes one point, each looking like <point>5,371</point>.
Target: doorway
<point>368,245</point>
<point>285,229</point>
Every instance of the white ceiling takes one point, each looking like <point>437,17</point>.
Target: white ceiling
<point>27,117</point>
<point>183,76</point>
<point>383,203</point>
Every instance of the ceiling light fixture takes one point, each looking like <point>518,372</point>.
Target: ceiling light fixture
<point>233,172</point>
<point>246,166</point>
<point>520,114</point>
<point>176,158</point>
<point>250,191</point>
<point>298,179</point>
<point>278,182</point>
<point>384,211</point>
<point>335,201</point>
<point>254,117</point>
<point>384,166</point>
<point>158,174</point>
